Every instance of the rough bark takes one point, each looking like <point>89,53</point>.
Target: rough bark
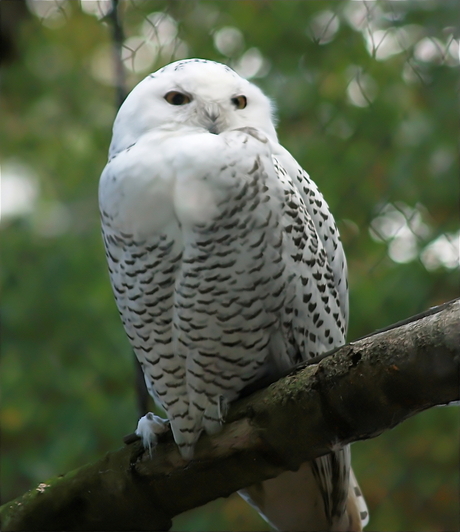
<point>363,389</point>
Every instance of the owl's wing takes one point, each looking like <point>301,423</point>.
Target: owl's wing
<point>319,323</point>
<point>324,226</point>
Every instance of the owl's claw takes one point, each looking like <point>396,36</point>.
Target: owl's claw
<point>149,428</point>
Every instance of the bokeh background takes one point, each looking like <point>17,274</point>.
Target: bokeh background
<point>367,102</point>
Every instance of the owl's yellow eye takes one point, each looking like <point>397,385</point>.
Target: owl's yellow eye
<point>177,98</point>
<point>240,102</point>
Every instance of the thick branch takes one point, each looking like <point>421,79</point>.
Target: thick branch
<point>366,387</point>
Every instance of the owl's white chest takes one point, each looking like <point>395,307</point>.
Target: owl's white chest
<point>159,179</point>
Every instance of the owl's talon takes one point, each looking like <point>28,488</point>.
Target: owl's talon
<point>149,428</point>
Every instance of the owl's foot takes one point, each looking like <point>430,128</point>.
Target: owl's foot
<point>149,428</point>
<point>214,415</point>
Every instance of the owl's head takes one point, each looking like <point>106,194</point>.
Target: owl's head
<point>192,94</point>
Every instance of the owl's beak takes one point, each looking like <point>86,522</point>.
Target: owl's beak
<point>213,118</point>
<point>212,128</point>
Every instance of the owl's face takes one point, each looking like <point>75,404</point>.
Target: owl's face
<point>195,95</point>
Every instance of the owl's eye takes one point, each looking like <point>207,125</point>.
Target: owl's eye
<point>177,98</point>
<point>240,102</point>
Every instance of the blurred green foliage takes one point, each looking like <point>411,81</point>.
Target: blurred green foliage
<point>366,99</point>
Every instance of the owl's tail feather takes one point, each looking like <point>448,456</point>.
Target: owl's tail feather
<point>292,501</point>
<point>357,514</point>
<point>185,433</point>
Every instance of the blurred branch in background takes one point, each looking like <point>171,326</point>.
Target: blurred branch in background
<point>118,38</point>
<point>365,388</point>
<point>12,14</point>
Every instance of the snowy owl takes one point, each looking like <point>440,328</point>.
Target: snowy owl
<point>226,265</point>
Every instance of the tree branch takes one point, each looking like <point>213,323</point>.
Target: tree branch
<point>365,388</point>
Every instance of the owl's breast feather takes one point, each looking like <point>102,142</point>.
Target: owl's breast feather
<point>157,180</point>
<point>136,190</point>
